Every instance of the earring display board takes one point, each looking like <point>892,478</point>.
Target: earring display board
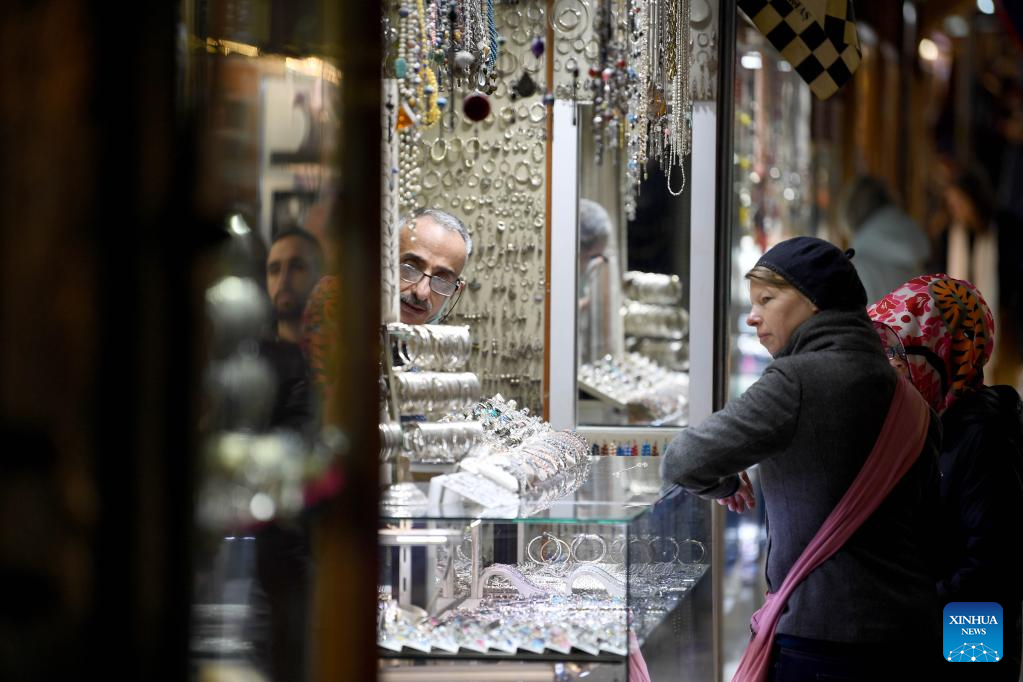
<point>490,174</point>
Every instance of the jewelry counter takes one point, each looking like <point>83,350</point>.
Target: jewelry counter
<point>570,582</point>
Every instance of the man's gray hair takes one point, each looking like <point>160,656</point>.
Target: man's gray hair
<point>445,220</point>
<point>594,223</point>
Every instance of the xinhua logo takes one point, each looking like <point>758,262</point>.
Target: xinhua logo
<point>972,632</point>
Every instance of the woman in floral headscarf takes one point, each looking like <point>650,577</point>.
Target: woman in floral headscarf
<point>943,330</point>
<point>940,331</point>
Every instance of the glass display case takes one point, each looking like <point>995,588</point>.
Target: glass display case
<point>505,541</point>
<point>570,583</point>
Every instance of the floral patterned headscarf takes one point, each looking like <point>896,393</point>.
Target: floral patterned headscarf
<point>942,328</point>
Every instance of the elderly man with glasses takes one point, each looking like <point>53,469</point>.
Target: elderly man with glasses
<point>433,248</point>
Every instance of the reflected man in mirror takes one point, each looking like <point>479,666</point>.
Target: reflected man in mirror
<point>433,249</point>
<point>594,233</point>
<point>282,563</point>
<point>293,267</point>
<point>593,322</point>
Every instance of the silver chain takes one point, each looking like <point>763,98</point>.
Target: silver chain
<point>680,140</point>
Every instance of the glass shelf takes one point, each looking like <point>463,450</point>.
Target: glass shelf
<point>616,490</point>
<point>519,656</point>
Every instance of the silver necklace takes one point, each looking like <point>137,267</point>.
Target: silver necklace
<point>680,135</point>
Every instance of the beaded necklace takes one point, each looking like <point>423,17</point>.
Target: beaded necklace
<point>427,89</point>
<point>408,133</point>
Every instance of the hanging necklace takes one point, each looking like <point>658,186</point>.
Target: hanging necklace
<point>680,133</point>
<point>411,94</point>
<point>427,81</point>
<point>638,119</point>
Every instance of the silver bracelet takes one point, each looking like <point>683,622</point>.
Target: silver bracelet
<point>545,540</point>
<point>698,545</point>
<point>578,542</point>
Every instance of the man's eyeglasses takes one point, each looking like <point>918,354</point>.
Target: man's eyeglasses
<point>411,274</point>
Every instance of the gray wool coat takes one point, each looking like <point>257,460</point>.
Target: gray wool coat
<point>809,423</point>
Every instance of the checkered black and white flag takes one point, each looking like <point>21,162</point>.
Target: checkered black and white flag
<point>818,37</point>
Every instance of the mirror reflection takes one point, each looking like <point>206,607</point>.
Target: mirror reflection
<point>266,92</point>
<point>633,321</point>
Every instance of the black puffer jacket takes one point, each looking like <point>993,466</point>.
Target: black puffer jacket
<point>981,464</point>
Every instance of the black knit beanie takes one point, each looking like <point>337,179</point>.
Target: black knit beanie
<point>820,270</point>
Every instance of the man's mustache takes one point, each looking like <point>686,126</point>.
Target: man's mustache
<point>412,300</point>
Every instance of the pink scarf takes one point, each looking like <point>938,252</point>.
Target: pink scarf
<point>897,448</point>
<point>637,664</point>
